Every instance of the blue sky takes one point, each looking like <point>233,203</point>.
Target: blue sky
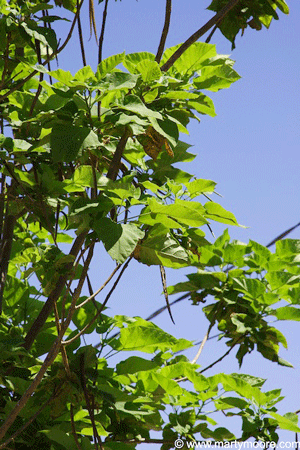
<point>251,149</point>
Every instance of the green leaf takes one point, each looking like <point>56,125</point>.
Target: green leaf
<point>218,74</point>
<point>197,187</point>
<point>203,105</point>
<point>135,364</point>
<point>68,140</point>
<point>61,437</point>
<point>85,74</point>
<point>108,64</point>
<point>45,35</point>
<point>216,212</point>
<point>119,240</point>
<point>120,80</point>
<point>131,60</point>
<point>192,59</point>
<point>183,211</point>
<point>134,104</point>
<point>287,313</point>
<point>160,248</point>
<point>179,95</point>
<point>146,337</point>
<point>149,70</point>
<point>284,423</point>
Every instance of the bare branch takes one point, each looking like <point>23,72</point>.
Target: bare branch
<point>102,306</point>
<point>92,296</point>
<point>202,344</point>
<point>164,31</point>
<point>194,37</point>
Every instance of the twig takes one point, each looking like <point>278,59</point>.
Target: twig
<point>164,31</point>
<point>102,306</point>
<point>211,34</point>
<point>223,356</point>
<point>102,32</point>
<point>87,400</point>
<point>115,162</point>
<point>202,344</point>
<point>47,308</point>
<point>282,235</point>
<point>23,427</point>
<point>92,296</point>
<point>73,428</point>
<point>194,37</point>
<point>164,283</point>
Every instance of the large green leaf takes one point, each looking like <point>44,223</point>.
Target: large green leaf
<point>147,337</point>
<point>108,64</point>
<point>133,59</point>
<point>160,248</point>
<point>186,212</point>
<point>216,212</point>
<point>218,74</point>
<point>67,140</point>
<point>119,240</point>
<point>192,59</point>
<point>149,70</point>
<point>134,104</point>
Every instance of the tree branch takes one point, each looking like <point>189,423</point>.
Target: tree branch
<point>164,31</point>
<point>101,308</point>
<point>115,162</point>
<point>48,306</point>
<point>194,37</point>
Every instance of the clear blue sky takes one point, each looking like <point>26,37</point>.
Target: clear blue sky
<point>251,149</point>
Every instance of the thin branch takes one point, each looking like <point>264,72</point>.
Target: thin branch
<point>164,31</point>
<point>102,306</point>
<point>194,37</point>
<point>164,283</point>
<point>223,356</point>
<point>116,160</point>
<point>203,343</point>
<point>100,289</point>
<point>47,308</point>
<point>101,39</point>
<point>25,425</point>
<point>211,34</point>
<point>282,235</point>
<point>74,429</point>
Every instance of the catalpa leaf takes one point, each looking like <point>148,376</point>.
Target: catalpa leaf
<point>119,240</point>
<point>216,75</point>
<point>160,248</point>
<point>146,337</point>
<point>216,212</point>
<point>133,59</point>
<point>149,70</point>
<point>192,59</point>
<point>108,64</point>
<point>184,211</point>
<point>67,140</point>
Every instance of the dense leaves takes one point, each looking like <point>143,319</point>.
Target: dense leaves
<point>95,158</point>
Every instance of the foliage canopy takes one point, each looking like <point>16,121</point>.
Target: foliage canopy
<point>97,157</point>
